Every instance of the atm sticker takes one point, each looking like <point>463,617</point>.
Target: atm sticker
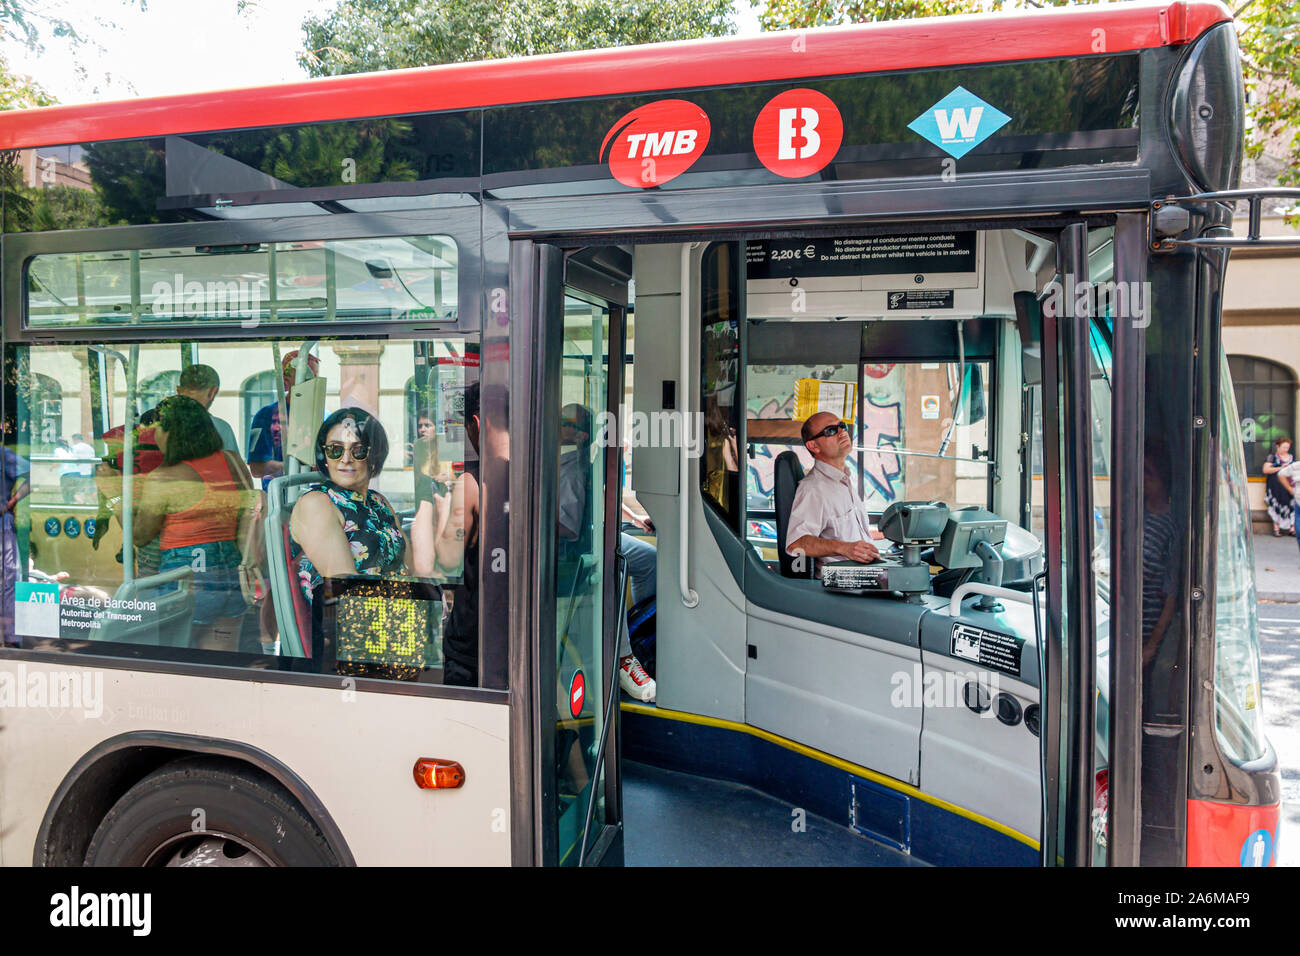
<point>36,609</point>
<point>999,652</point>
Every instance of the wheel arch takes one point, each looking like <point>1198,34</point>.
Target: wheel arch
<point>111,768</point>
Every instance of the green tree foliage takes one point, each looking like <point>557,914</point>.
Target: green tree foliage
<point>1268,31</point>
<point>365,35</point>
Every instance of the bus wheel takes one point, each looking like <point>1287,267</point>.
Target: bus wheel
<point>204,812</point>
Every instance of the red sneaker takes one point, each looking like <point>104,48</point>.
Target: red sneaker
<point>635,681</point>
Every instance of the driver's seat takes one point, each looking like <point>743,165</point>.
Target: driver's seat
<point>787,472</point>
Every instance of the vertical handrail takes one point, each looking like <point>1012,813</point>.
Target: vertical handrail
<point>280,399</point>
<point>689,597</point>
<point>304,351</point>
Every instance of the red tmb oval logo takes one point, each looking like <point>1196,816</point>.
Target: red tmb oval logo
<point>655,143</point>
<point>798,133</point>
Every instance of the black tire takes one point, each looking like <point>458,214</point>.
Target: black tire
<point>153,822</point>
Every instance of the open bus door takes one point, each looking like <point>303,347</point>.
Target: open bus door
<point>579,314</point>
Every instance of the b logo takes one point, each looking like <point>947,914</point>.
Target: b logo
<point>798,133</point>
<point>655,143</point>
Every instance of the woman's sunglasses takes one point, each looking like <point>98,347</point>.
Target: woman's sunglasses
<point>334,451</point>
<point>831,431</point>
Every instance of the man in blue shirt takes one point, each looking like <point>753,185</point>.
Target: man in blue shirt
<point>265,454</point>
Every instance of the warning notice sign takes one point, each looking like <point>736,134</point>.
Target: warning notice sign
<point>999,652</point>
<point>861,255</point>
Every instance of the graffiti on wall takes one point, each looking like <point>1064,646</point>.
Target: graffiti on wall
<point>771,396</point>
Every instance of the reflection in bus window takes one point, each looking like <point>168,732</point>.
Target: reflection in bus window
<point>719,371</point>
<point>461,640</point>
<point>208,565</point>
<point>265,451</point>
<point>200,504</point>
<point>354,280</point>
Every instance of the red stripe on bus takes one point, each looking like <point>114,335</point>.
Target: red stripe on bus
<point>866,48</point>
<point>1218,833</point>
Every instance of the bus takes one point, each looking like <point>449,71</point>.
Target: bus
<point>449,321</point>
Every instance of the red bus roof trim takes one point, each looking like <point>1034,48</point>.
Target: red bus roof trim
<point>834,51</point>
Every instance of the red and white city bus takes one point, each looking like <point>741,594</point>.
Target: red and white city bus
<point>994,246</point>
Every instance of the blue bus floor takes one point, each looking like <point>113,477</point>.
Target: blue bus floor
<point>677,819</point>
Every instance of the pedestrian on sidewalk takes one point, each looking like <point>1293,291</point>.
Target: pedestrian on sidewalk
<point>1289,476</point>
<point>1276,497</point>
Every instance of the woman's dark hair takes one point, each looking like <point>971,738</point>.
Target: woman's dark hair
<point>189,428</point>
<point>369,431</point>
<point>1277,442</point>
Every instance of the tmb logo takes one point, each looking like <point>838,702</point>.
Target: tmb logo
<point>655,143</point>
<point>798,133</point>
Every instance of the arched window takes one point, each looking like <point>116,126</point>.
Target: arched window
<point>257,391</point>
<point>157,387</point>
<point>1266,402</point>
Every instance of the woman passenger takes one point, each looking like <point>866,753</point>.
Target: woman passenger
<point>340,527</point>
<point>199,503</point>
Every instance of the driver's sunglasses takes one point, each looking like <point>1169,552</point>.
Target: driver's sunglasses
<point>334,450</point>
<point>830,431</point>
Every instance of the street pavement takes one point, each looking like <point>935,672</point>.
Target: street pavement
<point>1277,568</point>
<point>1279,647</point>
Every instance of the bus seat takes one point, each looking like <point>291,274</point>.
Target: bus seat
<point>292,614</point>
<point>787,472</point>
<point>169,625</point>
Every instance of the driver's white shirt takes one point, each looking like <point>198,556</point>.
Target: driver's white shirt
<point>827,505</point>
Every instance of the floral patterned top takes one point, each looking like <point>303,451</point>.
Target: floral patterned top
<point>373,532</point>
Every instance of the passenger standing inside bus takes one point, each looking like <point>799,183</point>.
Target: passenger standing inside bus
<point>265,453</point>
<point>460,637</point>
<point>201,383</point>
<point>199,502</point>
<point>438,528</point>
<point>828,518</point>
<point>341,527</point>
<point>424,431</point>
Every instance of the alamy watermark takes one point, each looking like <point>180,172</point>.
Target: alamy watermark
<point>936,688</point>
<point>70,690</point>
<point>228,298</point>
<point>1122,301</point>
<point>666,429</point>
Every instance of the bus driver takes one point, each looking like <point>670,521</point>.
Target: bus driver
<point>828,518</point>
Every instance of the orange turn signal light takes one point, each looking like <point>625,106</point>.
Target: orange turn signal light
<point>432,773</point>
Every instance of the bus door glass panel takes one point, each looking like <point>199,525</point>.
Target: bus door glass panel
<point>581,571</point>
<point>1080,304</point>
<point>1238,722</point>
<point>1108,304</point>
<point>210,566</point>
